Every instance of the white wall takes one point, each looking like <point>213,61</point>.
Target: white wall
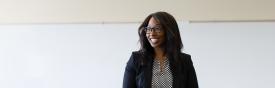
<point>232,55</point>
<point>225,55</point>
<point>89,11</point>
<point>65,56</point>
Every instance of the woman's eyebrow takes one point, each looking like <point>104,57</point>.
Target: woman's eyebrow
<point>154,25</point>
<point>157,24</point>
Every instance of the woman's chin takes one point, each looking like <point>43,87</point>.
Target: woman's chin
<point>155,45</point>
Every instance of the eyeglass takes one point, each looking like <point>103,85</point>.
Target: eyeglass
<point>157,29</point>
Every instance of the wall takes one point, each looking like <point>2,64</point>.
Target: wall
<point>97,11</point>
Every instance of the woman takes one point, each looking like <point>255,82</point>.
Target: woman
<point>160,63</point>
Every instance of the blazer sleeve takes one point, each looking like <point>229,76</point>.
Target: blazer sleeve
<point>129,80</point>
<point>191,74</point>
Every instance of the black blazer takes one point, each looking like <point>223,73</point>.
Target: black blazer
<point>137,75</point>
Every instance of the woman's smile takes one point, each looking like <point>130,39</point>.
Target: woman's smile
<point>155,37</point>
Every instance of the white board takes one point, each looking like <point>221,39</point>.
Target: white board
<point>225,55</point>
<point>232,54</point>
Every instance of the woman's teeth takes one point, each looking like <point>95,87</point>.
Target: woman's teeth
<point>154,40</point>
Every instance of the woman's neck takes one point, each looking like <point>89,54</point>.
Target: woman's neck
<point>160,56</point>
<point>159,53</point>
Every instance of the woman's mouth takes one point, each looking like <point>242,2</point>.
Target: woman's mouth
<point>154,40</point>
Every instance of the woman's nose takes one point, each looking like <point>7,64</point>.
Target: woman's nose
<point>152,33</point>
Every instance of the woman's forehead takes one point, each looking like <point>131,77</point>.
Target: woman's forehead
<point>153,22</point>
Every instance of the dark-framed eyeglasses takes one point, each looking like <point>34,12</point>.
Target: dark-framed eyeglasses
<point>156,29</point>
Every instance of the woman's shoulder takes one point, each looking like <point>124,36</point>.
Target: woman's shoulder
<point>186,58</point>
<point>136,54</point>
<point>185,55</point>
<point>134,58</point>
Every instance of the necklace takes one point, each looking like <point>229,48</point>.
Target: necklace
<point>161,63</point>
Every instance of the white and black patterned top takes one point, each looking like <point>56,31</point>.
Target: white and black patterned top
<point>164,78</point>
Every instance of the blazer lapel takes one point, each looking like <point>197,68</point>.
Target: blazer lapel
<point>148,73</point>
<point>175,71</point>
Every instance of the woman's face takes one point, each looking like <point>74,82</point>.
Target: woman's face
<point>154,33</point>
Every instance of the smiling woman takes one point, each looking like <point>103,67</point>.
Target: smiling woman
<point>160,63</point>
<point>154,33</point>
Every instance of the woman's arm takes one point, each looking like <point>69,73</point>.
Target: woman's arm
<point>129,80</point>
<point>191,75</point>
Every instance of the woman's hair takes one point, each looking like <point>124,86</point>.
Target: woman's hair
<point>172,43</point>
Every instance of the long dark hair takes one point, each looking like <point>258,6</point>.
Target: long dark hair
<point>172,44</point>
